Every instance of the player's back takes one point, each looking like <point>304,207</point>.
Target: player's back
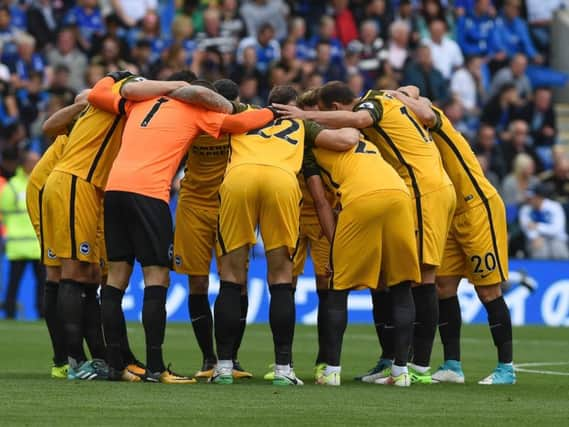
<point>204,171</point>
<point>157,134</point>
<point>405,144</point>
<point>461,164</point>
<point>357,172</point>
<point>279,144</point>
<point>47,163</point>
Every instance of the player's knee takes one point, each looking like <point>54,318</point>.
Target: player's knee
<point>156,275</point>
<point>76,270</point>
<point>488,293</point>
<point>119,274</point>
<point>53,274</point>
<point>322,282</point>
<point>447,286</point>
<point>199,285</point>
<point>428,273</point>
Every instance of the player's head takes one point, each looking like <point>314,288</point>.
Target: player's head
<point>184,76</point>
<point>308,100</point>
<point>204,83</point>
<point>283,94</point>
<point>227,88</point>
<point>336,96</point>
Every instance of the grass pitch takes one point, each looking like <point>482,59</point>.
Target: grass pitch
<point>29,397</point>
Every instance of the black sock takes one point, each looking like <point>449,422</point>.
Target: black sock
<point>383,319</point>
<point>92,325</point>
<point>227,311</point>
<point>127,355</point>
<point>426,320</point>
<point>403,309</point>
<point>242,324</point>
<point>154,322</point>
<point>70,303</point>
<point>322,325</point>
<point>202,323</point>
<point>336,320</point>
<point>450,322</point>
<point>501,328</point>
<point>282,316</point>
<point>54,323</point>
<point>111,310</point>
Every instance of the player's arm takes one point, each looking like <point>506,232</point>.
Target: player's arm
<point>246,121</point>
<point>338,139</point>
<point>330,119</point>
<point>58,123</point>
<point>421,107</point>
<point>203,97</point>
<point>148,89</point>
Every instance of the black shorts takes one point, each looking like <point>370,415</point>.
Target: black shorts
<point>138,227</point>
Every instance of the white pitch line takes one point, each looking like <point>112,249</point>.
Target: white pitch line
<point>527,365</point>
<point>520,367</point>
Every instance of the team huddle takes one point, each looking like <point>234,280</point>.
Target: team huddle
<point>381,189</point>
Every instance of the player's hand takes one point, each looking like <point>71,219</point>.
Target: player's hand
<point>289,111</point>
<point>328,270</point>
<point>119,75</point>
<point>81,98</point>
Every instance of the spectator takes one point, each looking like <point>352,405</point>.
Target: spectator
<point>325,66</point>
<point>289,62</point>
<point>371,52</point>
<point>429,80</point>
<point>27,62</point>
<point>540,15</point>
<point>448,54</point>
<point>142,57</point>
<point>406,14</point>
<point>4,70</point>
<point>115,30</point>
<point>432,10</point>
<point>131,12</point>
<point>182,32</point>
<point>8,35</point>
<point>32,99</point>
<point>326,33</point>
<point>557,179</point>
<point>519,180</point>
<point>542,221</point>
<point>149,31</point>
<point>517,141</point>
<point>22,247</point>
<point>398,46</point>
<point>490,175</point>
<point>68,54</point>
<point>60,83</point>
<point>248,67</point>
<point>109,58</point>
<point>297,33</point>
<point>513,33</point>
<point>231,23</point>
<point>257,13</point>
<point>268,49</point>
<point>476,33</point>
<point>9,114</point>
<point>346,28</point>
<point>248,91</point>
<point>488,147</point>
<point>467,84</point>
<point>378,11</point>
<point>515,73</point>
<point>499,111</point>
<point>42,23</point>
<point>454,110</point>
<point>540,116</point>
<point>356,84</point>
<point>87,19</point>
<point>212,35</point>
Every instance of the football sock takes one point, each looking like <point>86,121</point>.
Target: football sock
<point>403,309</point>
<point>283,369</point>
<point>336,320</point>
<point>227,312</point>
<point>202,323</point>
<point>501,328</point>
<point>332,369</point>
<point>242,324</point>
<point>450,322</point>
<point>154,322</point>
<point>54,323</point>
<point>426,319</point>
<point>282,314</point>
<point>113,323</point>
<point>127,354</point>
<point>383,320</point>
<point>92,326</point>
<point>397,370</point>
<point>70,303</point>
<point>322,325</point>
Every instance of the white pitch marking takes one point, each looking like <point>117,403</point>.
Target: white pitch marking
<point>521,368</point>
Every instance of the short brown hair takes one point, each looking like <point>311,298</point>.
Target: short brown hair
<point>282,94</point>
<point>335,91</point>
<point>308,99</point>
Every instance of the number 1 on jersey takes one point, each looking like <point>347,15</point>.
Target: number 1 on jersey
<point>146,121</point>
<point>426,136</point>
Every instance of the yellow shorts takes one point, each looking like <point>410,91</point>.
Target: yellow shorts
<point>375,239</point>
<point>34,205</point>
<point>433,224</point>
<point>71,208</point>
<point>194,239</point>
<point>477,247</point>
<point>266,196</point>
<point>311,237</point>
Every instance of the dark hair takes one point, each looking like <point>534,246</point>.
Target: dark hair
<point>283,94</point>
<point>505,88</point>
<point>5,9</point>
<point>335,92</point>
<point>204,83</point>
<point>184,75</point>
<point>308,99</point>
<point>227,88</point>
<point>264,27</point>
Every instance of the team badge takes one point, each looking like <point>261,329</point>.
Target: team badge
<point>84,248</point>
<point>51,254</point>
<point>367,106</point>
<point>171,251</point>
<point>178,260</point>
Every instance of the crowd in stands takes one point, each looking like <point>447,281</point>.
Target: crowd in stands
<point>477,59</point>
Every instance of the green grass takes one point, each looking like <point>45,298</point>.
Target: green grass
<point>28,396</point>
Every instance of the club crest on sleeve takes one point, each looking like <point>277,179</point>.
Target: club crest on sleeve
<point>85,248</point>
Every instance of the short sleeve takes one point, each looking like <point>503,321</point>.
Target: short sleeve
<point>372,106</point>
<point>309,164</point>
<point>239,107</point>
<point>210,122</point>
<point>311,131</point>
<point>439,122</point>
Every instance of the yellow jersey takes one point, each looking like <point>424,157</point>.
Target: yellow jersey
<point>204,171</point>
<point>471,186</point>
<point>94,143</point>
<point>354,173</point>
<point>308,213</point>
<point>47,163</point>
<point>404,143</point>
<point>279,144</point>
